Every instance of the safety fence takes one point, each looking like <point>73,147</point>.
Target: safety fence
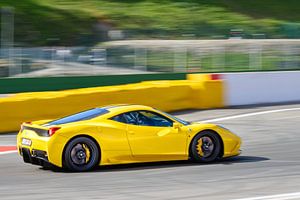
<point>152,56</point>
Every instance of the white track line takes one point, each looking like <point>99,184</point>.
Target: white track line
<point>287,196</point>
<point>8,152</point>
<point>248,115</point>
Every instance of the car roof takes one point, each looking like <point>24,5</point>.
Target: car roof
<point>126,107</point>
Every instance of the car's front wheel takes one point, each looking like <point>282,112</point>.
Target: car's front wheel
<point>205,147</point>
<point>81,154</point>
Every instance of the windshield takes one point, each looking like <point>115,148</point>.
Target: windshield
<point>177,119</point>
<point>85,115</point>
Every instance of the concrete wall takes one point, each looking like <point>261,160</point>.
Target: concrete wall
<point>163,95</point>
<point>261,87</point>
<point>200,91</point>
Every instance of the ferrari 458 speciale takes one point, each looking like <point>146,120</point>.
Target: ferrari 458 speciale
<point>122,134</point>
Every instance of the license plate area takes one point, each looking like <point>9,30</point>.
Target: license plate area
<point>26,142</point>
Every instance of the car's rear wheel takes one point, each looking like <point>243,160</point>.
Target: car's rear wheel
<point>81,154</point>
<point>205,147</point>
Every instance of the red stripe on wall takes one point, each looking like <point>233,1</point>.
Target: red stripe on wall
<point>216,76</point>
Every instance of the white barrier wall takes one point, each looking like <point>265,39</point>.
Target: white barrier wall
<point>261,87</point>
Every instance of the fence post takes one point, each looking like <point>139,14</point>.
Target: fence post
<point>140,59</point>
<point>180,63</point>
<point>218,58</point>
<point>255,57</point>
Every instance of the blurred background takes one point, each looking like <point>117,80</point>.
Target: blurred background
<point>98,37</point>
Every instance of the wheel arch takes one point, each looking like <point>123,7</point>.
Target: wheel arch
<point>213,131</point>
<point>77,136</point>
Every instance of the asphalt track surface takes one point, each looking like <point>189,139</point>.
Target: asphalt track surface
<point>269,167</point>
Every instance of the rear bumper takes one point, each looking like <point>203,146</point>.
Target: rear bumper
<point>35,157</point>
<point>41,149</point>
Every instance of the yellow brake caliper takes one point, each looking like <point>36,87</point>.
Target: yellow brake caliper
<point>199,148</point>
<point>87,153</point>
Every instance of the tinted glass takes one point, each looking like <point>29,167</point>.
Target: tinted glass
<point>120,118</point>
<point>143,118</point>
<point>131,117</point>
<point>146,118</point>
<point>85,115</point>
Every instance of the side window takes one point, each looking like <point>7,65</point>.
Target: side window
<point>146,118</point>
<point>119,118</point>
<point>143,118</point>
<point>131,117</point>
<point>128,118</point>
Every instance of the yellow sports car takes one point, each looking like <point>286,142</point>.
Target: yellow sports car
<point>122,134</point>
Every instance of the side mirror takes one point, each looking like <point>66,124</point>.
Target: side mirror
<point>176,125</point>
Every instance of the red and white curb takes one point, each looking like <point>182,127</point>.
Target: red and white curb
<point>8,149</point>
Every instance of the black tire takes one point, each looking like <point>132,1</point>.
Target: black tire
<point>208,153</point>
<point>81,154</point>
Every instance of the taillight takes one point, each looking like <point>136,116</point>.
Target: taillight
<point>52,130</point>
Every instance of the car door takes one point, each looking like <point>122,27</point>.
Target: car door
<point>152,136</point>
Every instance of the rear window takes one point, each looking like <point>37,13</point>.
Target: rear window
<point>85,115</point>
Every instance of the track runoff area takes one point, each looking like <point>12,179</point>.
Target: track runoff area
<point>267,169</point>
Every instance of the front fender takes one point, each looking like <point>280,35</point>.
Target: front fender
<point>231,142</point>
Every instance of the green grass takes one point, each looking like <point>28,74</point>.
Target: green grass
<point>73,22</point>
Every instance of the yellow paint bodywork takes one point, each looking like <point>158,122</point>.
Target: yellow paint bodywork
<point>125,143</point>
